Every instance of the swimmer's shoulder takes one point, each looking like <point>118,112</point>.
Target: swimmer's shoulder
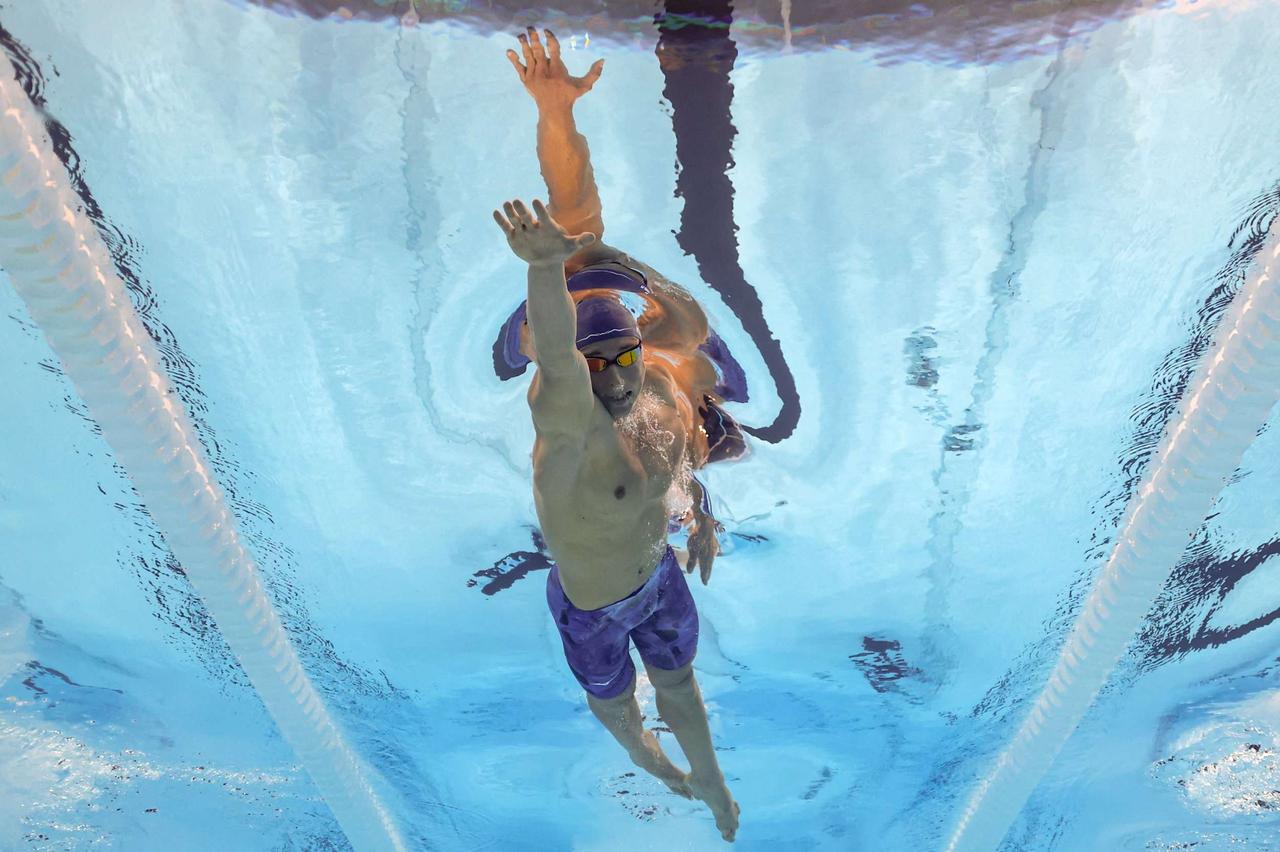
<point>658,377</point>
<point>597,253</point>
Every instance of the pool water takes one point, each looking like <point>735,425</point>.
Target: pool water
<point>981,285</point>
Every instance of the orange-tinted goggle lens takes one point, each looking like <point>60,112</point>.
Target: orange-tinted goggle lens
<point>626,359</point>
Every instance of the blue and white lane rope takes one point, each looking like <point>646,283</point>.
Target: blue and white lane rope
<point>1226,402</point>
<point>63,271</point>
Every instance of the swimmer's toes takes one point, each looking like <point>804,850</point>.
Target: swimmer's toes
<point>731,830</point>
<point>723,807</point>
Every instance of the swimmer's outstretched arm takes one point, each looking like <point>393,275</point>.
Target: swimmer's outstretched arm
<point>562,150</point>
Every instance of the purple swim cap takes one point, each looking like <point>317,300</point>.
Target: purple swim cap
<point>604,318</point>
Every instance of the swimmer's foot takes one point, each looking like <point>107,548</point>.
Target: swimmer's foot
<point>653,760</point>
<point>723,807</point>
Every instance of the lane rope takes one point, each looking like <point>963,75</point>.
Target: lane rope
<point>1226,402</point>
<point>61,268</point>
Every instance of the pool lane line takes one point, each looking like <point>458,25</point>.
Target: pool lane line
<point>63,271</point>
<point>1226,402</point>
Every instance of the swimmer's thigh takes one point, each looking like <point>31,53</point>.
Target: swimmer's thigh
<point>668,639</point>
<point>597,649</point>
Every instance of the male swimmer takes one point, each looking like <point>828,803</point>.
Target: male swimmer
<point>613,433</point>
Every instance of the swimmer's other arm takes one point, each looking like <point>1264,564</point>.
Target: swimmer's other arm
<point>703,545</point>
<point>560,398</point>
<point>563,154</point>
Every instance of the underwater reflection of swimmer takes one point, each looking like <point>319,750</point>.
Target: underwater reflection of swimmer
<point>616,440</point>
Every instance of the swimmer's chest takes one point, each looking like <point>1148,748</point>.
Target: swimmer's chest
<point>616,472</point>
<point>618,468</point>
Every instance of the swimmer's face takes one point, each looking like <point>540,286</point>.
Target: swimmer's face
<point>617,387</point>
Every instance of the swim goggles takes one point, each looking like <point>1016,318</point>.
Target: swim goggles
<point>624,359</point>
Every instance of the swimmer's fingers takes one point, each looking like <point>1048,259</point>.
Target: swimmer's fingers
<point>544,218</point>
<point>517,64</point>
<point>702,550</point>
<point>507,227</point>
<point>694,546</point>
<point>536,237</point>
<point>514,221</point>
<point>586,81</point>
<point>553,47</point>
<point>706,556</point>
<point>540,210</point>
<point>530,64</point>
<point>538,61</point>
<point>522,217</point>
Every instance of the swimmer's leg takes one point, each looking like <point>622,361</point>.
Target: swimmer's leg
<point>680,703</point>
<point>621,717</point>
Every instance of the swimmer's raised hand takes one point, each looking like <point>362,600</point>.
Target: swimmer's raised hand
<point>544,74</point>
<point>538,241</point>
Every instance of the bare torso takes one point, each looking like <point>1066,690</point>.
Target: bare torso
<point>604,508</point>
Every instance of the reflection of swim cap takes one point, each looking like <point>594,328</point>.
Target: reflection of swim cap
<point>604,318</point>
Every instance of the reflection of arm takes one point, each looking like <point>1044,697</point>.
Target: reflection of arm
<point>678,325</point>
<point>566,168</point>
<point>562,150</point>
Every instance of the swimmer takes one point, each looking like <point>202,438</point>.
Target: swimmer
<point>613,432</point>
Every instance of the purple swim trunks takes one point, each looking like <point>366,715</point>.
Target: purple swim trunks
<point>659,617</point>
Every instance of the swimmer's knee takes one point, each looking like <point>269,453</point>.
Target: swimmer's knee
<point>670,679</point>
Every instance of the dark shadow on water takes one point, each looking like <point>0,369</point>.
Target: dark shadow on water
<point>513,567</point>
<point>696,63</point>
